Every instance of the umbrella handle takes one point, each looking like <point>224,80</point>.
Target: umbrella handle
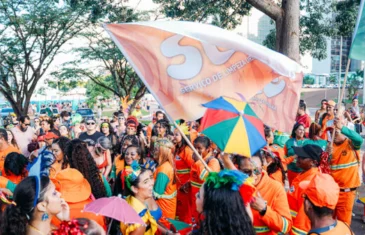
<point>110,226</point>
<point>192,147</point>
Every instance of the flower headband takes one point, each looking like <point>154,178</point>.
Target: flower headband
<point>132,172</point>
<point>236,180</point>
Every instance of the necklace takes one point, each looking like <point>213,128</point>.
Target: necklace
<point>35,229</point>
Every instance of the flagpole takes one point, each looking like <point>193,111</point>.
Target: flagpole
<point>188,142</point>
<point>339,104</point>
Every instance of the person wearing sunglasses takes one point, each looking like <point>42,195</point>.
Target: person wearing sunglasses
<point>270,209</point>
<point>121,127</point>
<point>320,111</point>
<point>23,134</point>
<point>91,135</point>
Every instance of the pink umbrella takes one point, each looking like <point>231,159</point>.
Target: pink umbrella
<point>115,208</point>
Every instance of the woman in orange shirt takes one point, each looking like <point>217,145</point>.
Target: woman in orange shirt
<point>164,189</point>
<point>183,161</point>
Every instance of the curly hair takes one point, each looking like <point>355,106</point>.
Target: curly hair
<point>16,217</point>
<point>225,212</point>
<point>81,159</point>
<point>132,138</point>
<point>62,143</point>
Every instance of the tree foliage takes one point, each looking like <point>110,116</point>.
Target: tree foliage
<point>32,33</point>
<point>93,91</point>
<point>99,49</point>
<point>308,80</point>
<point>223,13</point>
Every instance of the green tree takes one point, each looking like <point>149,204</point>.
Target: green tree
<point>32,33</point>
<point>308,80</point>
<point>223,13</point>
<point>93,91</point>
<point>333,79</point>
<point>292,35</point>
<point>121,80</point>
<point>354,81</point>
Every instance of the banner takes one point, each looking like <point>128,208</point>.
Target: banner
<point>278,102</point>
<point>186,64</point>
<point>357,51</point>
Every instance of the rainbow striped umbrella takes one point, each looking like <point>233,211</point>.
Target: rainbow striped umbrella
<point>233,126</point>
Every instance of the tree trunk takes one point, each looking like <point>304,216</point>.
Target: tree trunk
<point>288,33</point>
<point>287,24</point>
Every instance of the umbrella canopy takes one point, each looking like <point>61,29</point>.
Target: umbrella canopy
<point>116,208</point>
<point>179,227</point>
<point>233,126</point>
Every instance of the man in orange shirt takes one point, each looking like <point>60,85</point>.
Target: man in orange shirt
<point>321,196</point>
<point>345,164</point>
<point>309,157</point>
<point>5,148</point>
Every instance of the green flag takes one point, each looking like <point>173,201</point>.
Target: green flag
<point>358,43</point>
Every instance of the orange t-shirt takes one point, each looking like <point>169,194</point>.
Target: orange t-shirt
<point>4,153</point>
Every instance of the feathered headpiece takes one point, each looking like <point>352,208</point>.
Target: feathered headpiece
<point>184,128</point>
<point>126,104</point>
<point>40,167</point>
<point>236,180</point>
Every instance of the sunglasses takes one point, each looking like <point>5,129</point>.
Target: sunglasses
<point>250,172</point>
<point>26,124</point>
<point>90,123</point>
<point>121,118</point>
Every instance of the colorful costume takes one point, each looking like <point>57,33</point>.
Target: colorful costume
<point>345,170</point>
<point>277,218</point>
<point>183,163</point>
<point>144,213</point>
<point>327,121</point>
<point>165,192</point>
<point>301,223</point>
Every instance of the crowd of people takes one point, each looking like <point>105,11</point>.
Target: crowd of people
<point>304,183</point>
